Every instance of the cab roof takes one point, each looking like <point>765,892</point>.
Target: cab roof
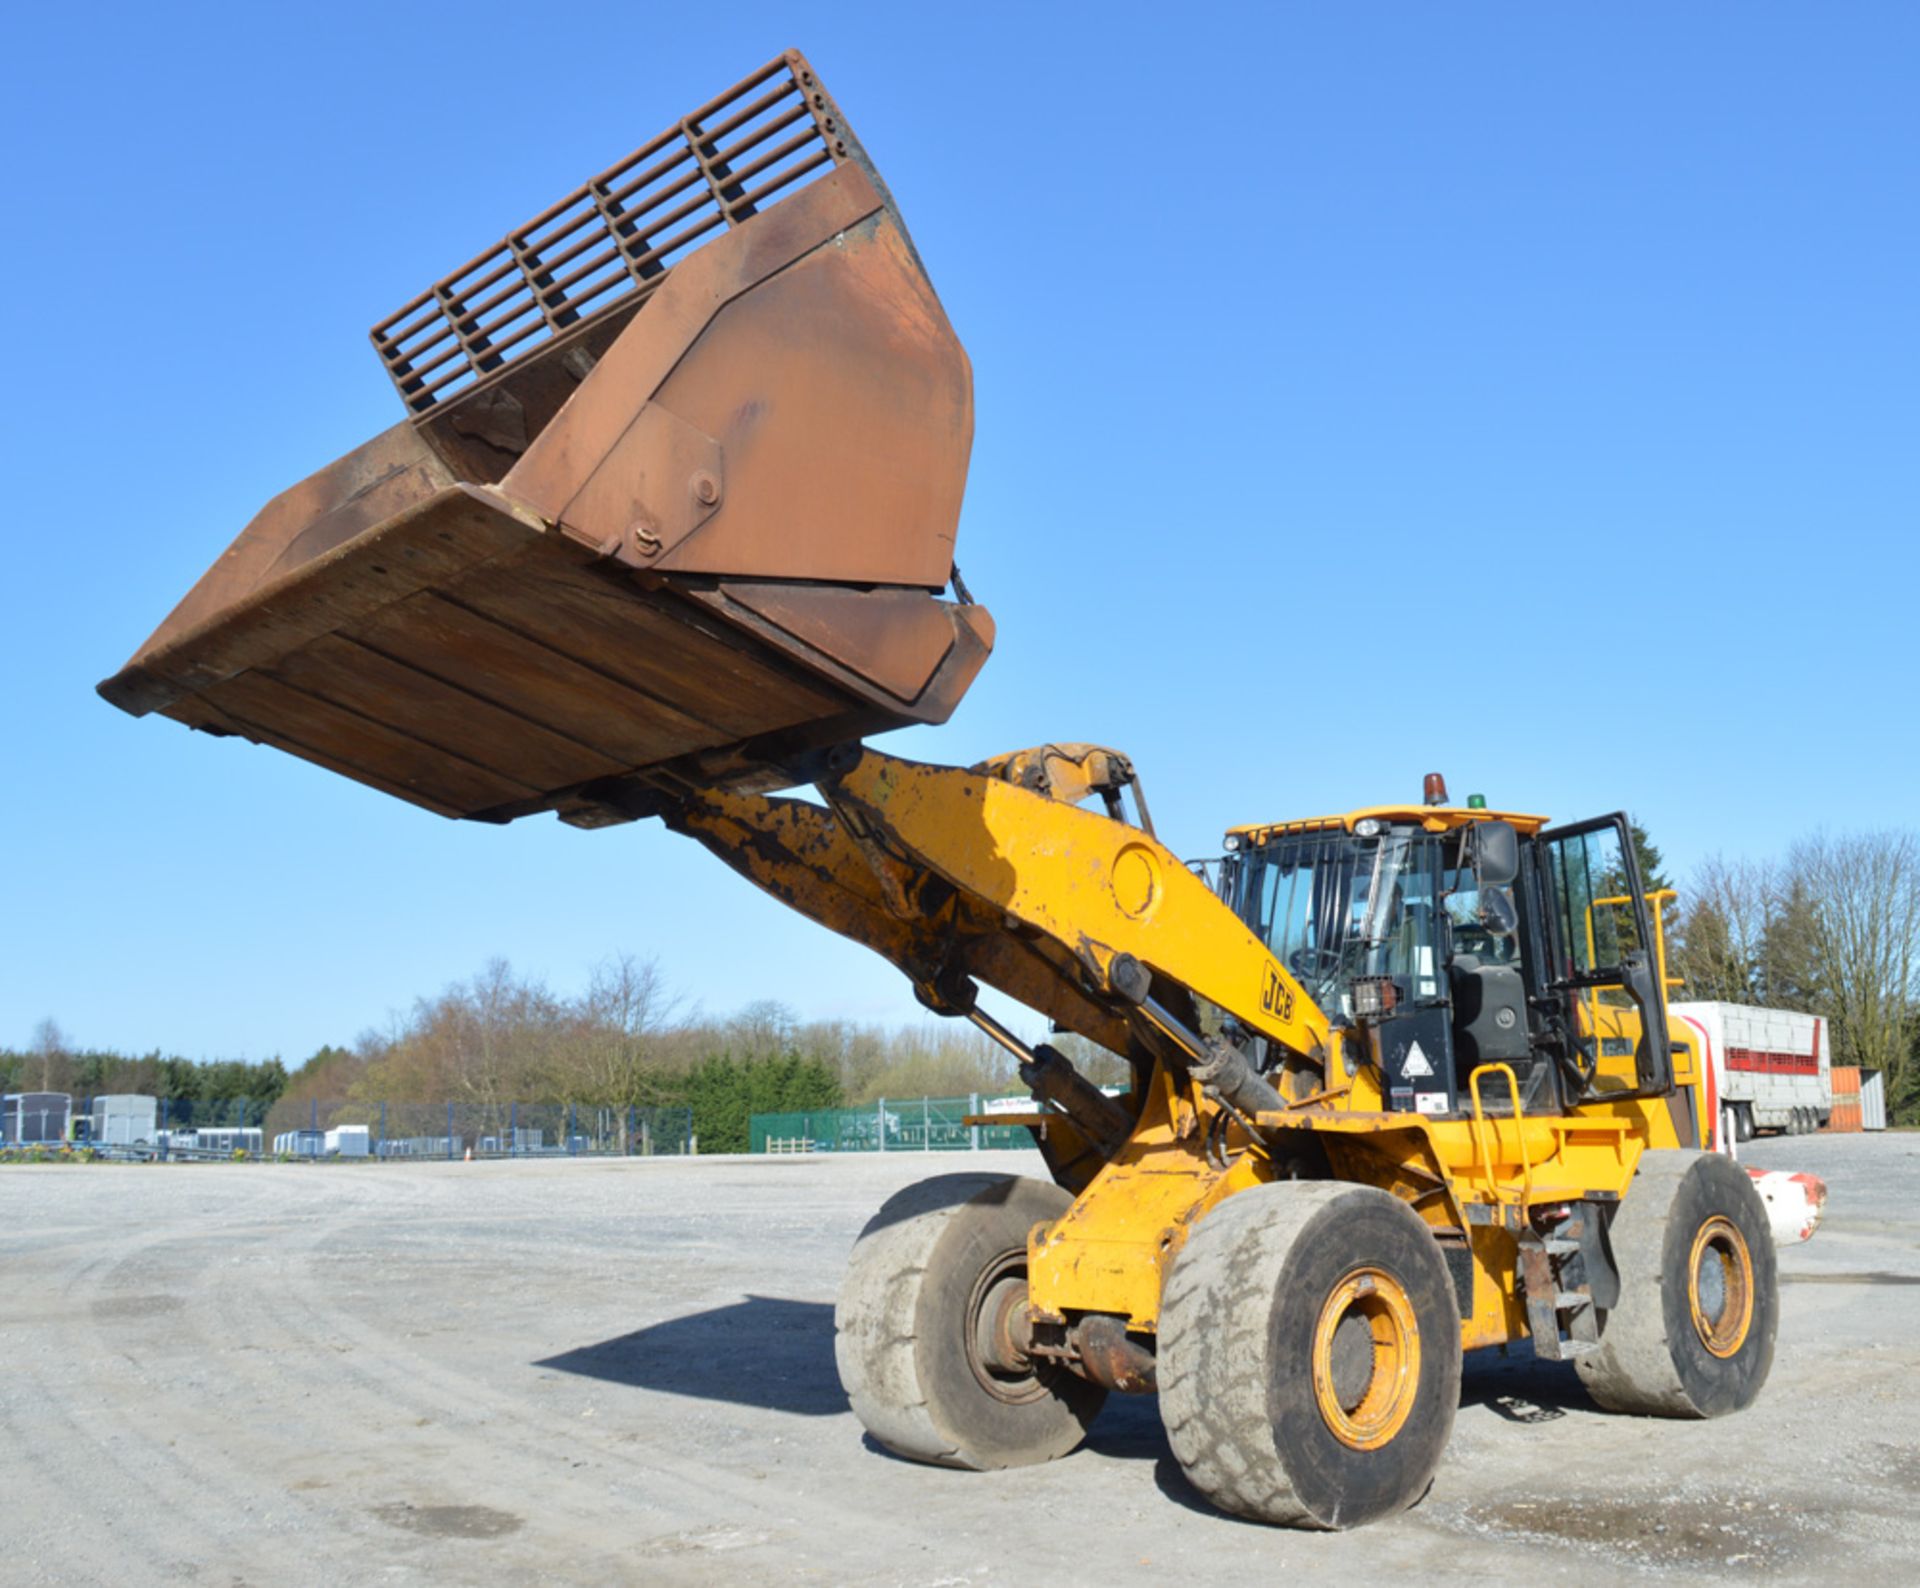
<point>1434,818</point>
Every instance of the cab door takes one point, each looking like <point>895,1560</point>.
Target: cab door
<point>1600,964</point>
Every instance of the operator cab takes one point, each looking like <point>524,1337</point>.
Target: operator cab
<point>1445,939</point>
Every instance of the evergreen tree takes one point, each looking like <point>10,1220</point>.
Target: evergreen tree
<point>1653,878</point>
<point>725,1093</point>
<point>1708,959</point>
<point>1789,974</point>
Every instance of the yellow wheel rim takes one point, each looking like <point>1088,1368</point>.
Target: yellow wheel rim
<point>1720,1286</point>
<point>1366,1359</point>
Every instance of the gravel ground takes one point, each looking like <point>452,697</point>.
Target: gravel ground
<point>623,1371</point>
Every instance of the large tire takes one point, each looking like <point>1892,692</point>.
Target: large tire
<point>1699,1305</point>
<point>906,1326</point>
<point>1310,1355</point>
<point>1744,1129</point>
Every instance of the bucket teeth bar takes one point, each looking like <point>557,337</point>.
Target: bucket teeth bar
<point>674,506</point>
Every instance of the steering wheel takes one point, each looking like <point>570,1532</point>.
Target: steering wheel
<point>1313,961</point>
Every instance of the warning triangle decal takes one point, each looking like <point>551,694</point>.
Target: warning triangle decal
<point>1416,1062</point>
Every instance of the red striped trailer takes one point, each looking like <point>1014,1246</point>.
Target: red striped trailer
<point>1772,1069</point>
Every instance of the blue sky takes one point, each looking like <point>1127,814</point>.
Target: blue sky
<point>1525,392</point>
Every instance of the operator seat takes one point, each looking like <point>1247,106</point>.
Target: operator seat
<point>1490,1027</point>
<point>1489,1011</point>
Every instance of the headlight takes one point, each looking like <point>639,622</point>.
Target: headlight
<point>1373,997</point>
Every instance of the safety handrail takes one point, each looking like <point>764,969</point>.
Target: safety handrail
<point>1519,1129</point>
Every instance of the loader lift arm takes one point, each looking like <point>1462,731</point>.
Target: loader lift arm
<point>968,876</point>
<point>962,875</point>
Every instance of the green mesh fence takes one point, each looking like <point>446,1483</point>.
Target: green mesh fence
<point>921,1124</point>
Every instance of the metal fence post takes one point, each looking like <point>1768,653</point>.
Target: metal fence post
<point>973,1131</point>
<point>926,1124</point>
<point>450,1151</point>
<point>383,1128</point>
<point>513,1130</point>
<point>883,1123</point>
<point>572,1132</point>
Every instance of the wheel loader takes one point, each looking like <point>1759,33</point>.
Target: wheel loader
<point>668,527</point>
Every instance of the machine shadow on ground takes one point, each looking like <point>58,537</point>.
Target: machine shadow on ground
<point>776,1353</point>
<point>1521,1387</point>
<point>761,1351</point>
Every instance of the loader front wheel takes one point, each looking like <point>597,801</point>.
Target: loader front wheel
<point>1692,1334</point>
<point>1310,1355</point>
<point>930,1330</point>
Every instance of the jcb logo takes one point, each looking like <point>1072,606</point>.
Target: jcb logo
<point>1276,997</point>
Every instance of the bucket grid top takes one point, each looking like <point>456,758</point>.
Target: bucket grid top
<point>608,245</point>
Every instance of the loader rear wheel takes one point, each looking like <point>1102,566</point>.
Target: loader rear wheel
<point>1310,1355</point>
<point>1692,1335</point>
<point>930,1332</point>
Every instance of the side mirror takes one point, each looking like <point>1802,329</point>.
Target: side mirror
<point>1497,912</point>
<point>1496,855</point>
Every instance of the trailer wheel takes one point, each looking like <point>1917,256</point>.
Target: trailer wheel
<point>1693,1333</point>
<point>929,1330</point>
<point>1743,1122</point>
<point>1310,1355</point>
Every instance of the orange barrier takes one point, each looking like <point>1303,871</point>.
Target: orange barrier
<point>1845,1116</point>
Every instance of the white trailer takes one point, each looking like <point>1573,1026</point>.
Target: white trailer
<point>125,1119</point>
<point>1772,1069</point>
<point>226,1138</point>
<point>349,1141</point>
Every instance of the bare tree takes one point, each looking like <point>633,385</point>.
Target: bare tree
<point>627,1009</point>
<point>763,1029</point>
<point>1722,943</point>
<point>938,1058</point>
<point>50,1048</point>
<point>1865,890</point>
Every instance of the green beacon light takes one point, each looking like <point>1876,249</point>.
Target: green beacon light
<point>1476,802</point>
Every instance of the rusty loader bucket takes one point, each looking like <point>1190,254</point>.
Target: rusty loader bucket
<point>674,503</point>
